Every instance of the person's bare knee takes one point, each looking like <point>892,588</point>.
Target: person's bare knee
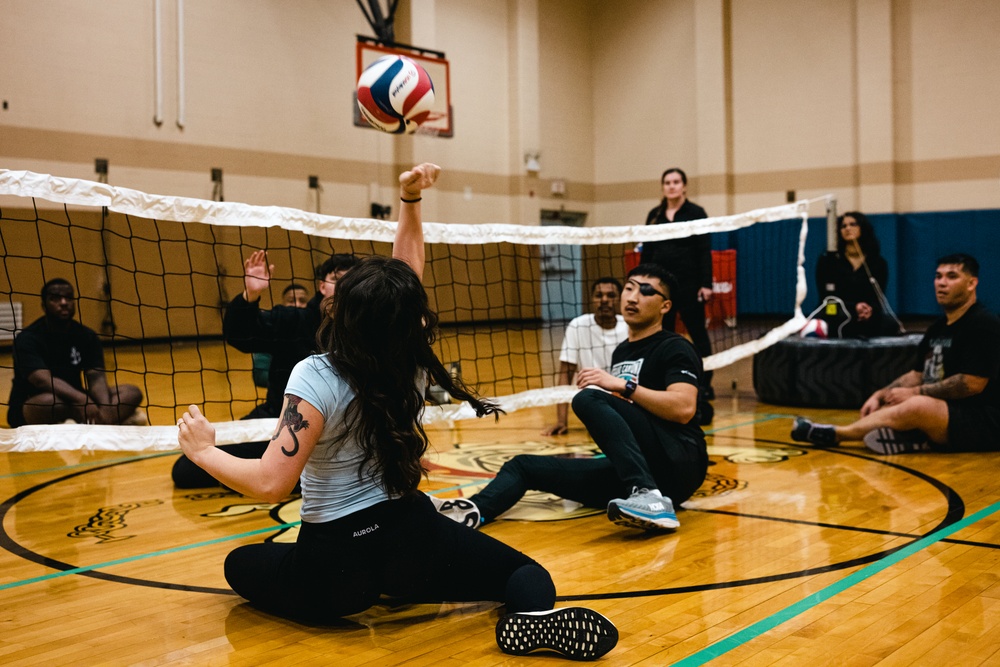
<point>45,409</point>
<point>129,394</point>
<point>926,414</point>
<point>126,399</point>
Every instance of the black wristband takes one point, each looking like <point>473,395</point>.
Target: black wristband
<point>410,201</point>
<point>629,389</point>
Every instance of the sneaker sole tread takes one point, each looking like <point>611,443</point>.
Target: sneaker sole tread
<point>575,632</point>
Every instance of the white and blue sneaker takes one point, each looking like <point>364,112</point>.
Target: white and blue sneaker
<point>459,510</point>
<point>577,633</point>
<point>644,509</point>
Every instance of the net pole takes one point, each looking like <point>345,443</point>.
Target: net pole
<point>831,224</point>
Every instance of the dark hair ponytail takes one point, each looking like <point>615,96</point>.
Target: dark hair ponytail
<point>378,333</point>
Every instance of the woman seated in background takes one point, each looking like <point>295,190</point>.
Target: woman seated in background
<point>857,274</point>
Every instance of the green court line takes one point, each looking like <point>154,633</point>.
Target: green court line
<point>40,471</point>
<point>163,552</point>
<point>774,620</point>
<point>763,418</point>
<point>132,559</point>
<point>172,550</point>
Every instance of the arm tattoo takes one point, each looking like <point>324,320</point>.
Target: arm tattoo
<point>292,420</point>
<point>952,387</point>
<point>910,379</point>
<point>898,382</point>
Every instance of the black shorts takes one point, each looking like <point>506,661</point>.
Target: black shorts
<point>972,428</point>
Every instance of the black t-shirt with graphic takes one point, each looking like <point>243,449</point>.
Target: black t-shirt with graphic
<point>67,352</point>
<point>969,346</point>
<point>658,361</point>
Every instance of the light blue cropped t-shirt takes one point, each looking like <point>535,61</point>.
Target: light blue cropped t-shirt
<point>330,485</point>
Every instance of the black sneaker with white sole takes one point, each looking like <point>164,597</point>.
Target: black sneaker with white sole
<point>577,633</point>
<point>818,435</point>
<point>887,440</point>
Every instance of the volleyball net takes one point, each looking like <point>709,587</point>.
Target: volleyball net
<point>153,275</point>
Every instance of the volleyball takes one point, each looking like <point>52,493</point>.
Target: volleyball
<point>815,329</point>
<point>395,94</point>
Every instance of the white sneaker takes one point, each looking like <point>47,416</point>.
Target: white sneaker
<point>459,510</point>
<point>644,509</point>
<point>887,440</point>
<point>576,632</point>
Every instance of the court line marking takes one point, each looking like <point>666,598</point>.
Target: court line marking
<point>151,554</point>
<point>71,466</point>
<point>163,552</point>
<point>763,418</point>
<point>762,626</point>
<point>766,417</point>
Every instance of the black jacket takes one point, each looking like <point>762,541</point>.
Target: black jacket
<point>288,334</point>
<point>689,259</point>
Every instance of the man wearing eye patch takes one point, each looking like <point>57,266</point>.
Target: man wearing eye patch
<point>643,415</point>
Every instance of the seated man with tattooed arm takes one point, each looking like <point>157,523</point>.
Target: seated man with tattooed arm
<point>950,401</point>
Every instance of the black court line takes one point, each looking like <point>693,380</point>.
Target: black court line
<point>859,455</point>
<point>8,543</point>
<point>835,526</point>
<point>955,512</point>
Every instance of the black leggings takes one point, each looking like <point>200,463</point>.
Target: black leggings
<point>640,450</point>
<point>400,548</point>
<point>187,475</point>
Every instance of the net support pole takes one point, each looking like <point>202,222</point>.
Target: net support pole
<point>158,64</point>
<point>831,224</point>
<point>181,108</point>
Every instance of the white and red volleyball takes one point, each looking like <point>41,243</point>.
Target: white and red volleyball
<point>815,329</point>
<point>395,94</point>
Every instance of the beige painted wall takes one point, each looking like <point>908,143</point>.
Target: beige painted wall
<point>890,104</point>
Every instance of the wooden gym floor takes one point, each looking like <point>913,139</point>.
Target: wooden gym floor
<point>788,556</point>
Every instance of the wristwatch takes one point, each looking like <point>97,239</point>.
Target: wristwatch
<point>630,388</point>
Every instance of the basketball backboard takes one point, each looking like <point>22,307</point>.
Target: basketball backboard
<point>439,123</point>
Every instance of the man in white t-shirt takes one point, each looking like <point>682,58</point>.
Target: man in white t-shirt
<point>589,341</point>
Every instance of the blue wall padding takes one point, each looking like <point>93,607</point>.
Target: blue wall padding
<point>911,244</point>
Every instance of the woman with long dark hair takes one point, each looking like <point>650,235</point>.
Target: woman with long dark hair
<point>857,274</point>
<point>351,431</point>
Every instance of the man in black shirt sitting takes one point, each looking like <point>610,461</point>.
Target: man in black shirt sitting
<point>50,356</point>
<point>643,415</point>
<point>950,400</point>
